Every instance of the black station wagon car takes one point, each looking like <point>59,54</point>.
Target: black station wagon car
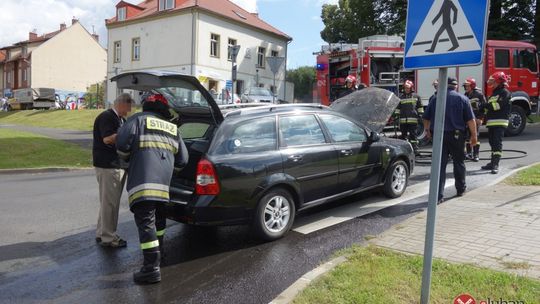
<point>262,165</point>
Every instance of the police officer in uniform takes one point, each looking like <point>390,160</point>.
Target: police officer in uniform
<point>154,148</point>
<point>459,116</point>
<point>409,110</point>
<point>497,111</point>
<point>478,101</point>
<point>350,85</point>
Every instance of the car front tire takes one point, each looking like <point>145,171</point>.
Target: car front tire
<point>274,215</point>
<point>396,179</point>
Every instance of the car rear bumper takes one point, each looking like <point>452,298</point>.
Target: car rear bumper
<point>207,216</point>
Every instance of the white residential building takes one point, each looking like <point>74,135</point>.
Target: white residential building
<point>193,37</point>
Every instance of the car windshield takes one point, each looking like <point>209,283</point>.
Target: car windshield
<point>183,96</point>
<point>259,91</point>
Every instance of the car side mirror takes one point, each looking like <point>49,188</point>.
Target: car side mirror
<point>374,137</point>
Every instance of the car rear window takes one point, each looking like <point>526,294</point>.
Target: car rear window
<point>300,130</point>
<point>250,136</point>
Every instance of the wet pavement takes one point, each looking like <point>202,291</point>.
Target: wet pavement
<point>48,253</point>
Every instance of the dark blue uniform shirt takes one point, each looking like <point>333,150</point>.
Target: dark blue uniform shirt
<point>458,112</point>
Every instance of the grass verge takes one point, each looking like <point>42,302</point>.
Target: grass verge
<point>534,118</point>
<point>82,120</point>
<point>527,177</point>
<point>28,150</point>
<point>376,275</point>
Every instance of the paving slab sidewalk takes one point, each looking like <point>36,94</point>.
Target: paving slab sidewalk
<point>497,227</point>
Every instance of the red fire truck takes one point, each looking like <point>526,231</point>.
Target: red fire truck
<point>378,61</point>
<point>374,61</point>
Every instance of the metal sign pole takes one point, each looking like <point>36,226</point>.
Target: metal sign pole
<point>434,183</point>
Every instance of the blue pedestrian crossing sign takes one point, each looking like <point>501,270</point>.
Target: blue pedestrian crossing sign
<point>445,33</point>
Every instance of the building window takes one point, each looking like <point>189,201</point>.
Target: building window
<point>166,4</point>
<point>117,51</point>
<point>232,42</point>
<point>8,78</point>
<point>121,12</point>
<point>24,76</point>
<point>24,50</point>
<point>8,55</point>
<point>214,45</point>
<point>275,53</point>
<point>261,57</point>
<point>136,49</point>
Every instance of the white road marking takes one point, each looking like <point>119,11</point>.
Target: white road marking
<point>312,223</point>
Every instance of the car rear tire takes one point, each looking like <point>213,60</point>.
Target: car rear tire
<point>396,180</point>
<point>516,121</point>
<point>274,215</point>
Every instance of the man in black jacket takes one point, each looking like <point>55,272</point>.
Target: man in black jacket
<point>497,111</point>
<point>110,177</point>
<point>409,111</point>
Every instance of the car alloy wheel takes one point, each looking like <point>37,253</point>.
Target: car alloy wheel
<point>274,215</point>
<point>399,178</point>
<point>277,213</point>
<point>396,179</point>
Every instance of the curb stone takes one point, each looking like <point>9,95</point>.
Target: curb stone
<point>288,295</point>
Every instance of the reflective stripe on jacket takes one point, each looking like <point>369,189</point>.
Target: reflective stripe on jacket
<point>409,108</point>
<point>498,108</point>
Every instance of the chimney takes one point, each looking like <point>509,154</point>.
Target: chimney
<point>32,36</point>
<point>73,21</point>
<point>62,26</point>
<point>96,37</point>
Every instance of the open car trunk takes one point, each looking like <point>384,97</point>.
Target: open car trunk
<point>195,111</point>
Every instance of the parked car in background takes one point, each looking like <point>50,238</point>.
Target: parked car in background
<point>261,165</point>
<point>226,99</point>
<point>257,94</point>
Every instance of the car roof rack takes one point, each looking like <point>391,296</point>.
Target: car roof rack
<point>258,107</point>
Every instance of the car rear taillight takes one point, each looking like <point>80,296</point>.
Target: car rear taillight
<point>206,179</point>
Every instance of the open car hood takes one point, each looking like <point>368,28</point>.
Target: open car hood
<point>154,80</point>
<point>371,106</point>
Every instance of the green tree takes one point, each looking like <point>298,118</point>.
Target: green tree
<point>350,20</point>
<point>95,95</point>
<point>512,20</point>
<point>303,79</point>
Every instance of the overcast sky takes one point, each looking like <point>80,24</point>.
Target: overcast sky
<point>301,20</point>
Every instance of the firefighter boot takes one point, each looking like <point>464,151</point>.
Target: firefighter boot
<point>495,162</point>
<point>476,153</point>
<point>489,166</point>
<point>161,247</point>
<point>149,273</point>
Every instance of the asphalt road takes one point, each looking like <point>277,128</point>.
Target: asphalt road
<point>48,254</point>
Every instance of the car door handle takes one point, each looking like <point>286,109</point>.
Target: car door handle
<point>295,158</point>
<point>346,152</point>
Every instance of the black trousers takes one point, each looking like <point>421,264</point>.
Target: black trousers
<point>408,131</point>
<point>150,219</point>
<point>453,143</point>
<point>496,135</point>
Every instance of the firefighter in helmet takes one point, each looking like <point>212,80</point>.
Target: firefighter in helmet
<point>478,101</point>
<point>409,111</point>
<point>154,149</point>
<point>497,110</point>
<point>350,86</point>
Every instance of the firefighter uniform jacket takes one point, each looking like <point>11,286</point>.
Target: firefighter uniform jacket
<point>478,101</point>
<point>154,148</point>
<point>498,108</point>
<point>409,109</point>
